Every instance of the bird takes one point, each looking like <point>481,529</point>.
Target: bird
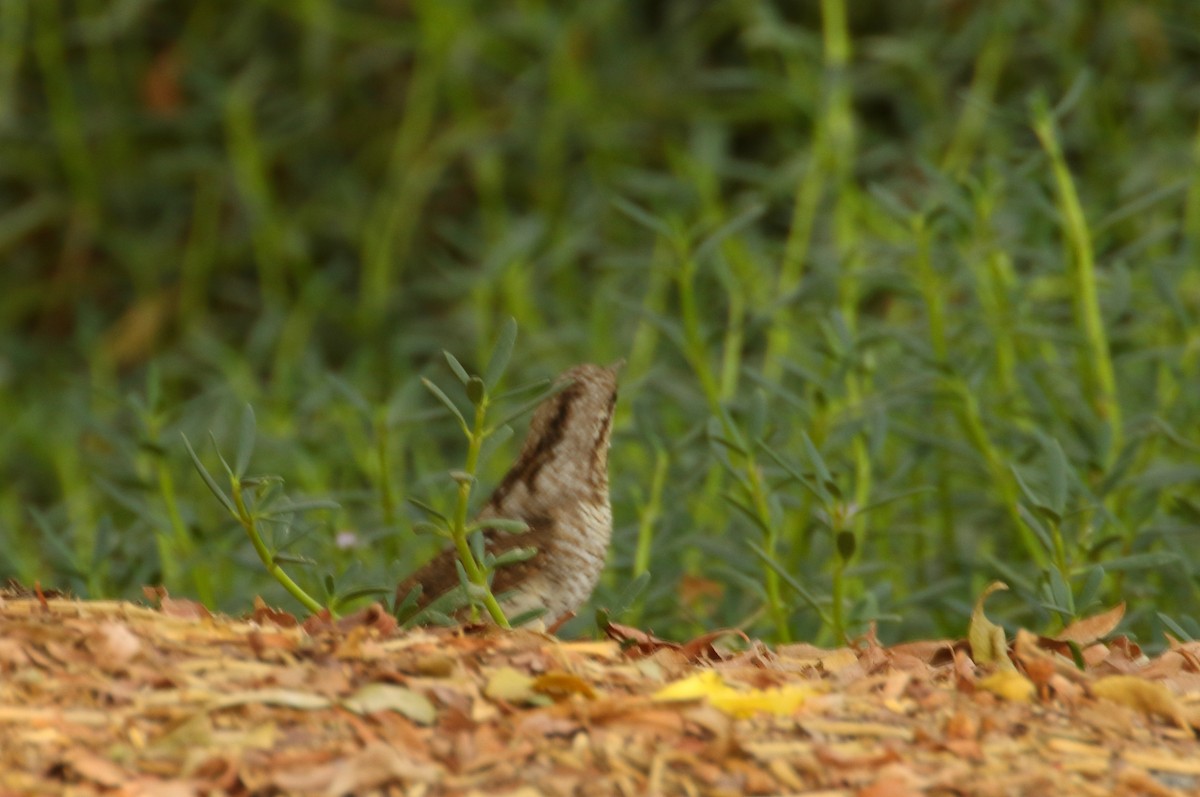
<point>558,486</point>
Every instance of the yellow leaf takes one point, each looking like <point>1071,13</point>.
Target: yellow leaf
<point>781,702</point>
<point>1148,697</point>
<point>1010,685</point>
<point>699,685</point>
<point>512,686</point>
<point>722,696</point>
<point>988,645</point>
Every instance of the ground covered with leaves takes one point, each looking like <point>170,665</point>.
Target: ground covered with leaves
<point>118,698</point>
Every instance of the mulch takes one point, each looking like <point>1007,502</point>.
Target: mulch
<point>114,698</point>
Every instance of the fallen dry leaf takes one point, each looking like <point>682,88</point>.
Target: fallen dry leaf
<point>1010,685</point>
<point>208,705</point>
<point>511,686</point>
<point>1090,629</point>
<point>562,684</point>
<point>1149,697</point>
<point>988,645</point>
<point>390,697</point>
<point>709,686</point>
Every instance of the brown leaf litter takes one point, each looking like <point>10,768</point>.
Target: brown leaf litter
<point>108,698</point>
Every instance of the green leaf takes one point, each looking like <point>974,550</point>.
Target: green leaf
<point>514,556</point>
<point>1061,599</point>
<point>225,500</point>
<point>501,353</point>
<point>1187,509</point>
<point>828,488</point>
<point>364,592</point>
<point>496,437</point>
<point>715,436</point>
<point>408,604</point>
<point>438,618</point>
<point>473,592</point>
<point>527,616</point>
<point>847,544</point>
<point>1032,521</point>
<point>56,537</point>
<point>292,559</point>
<point>1011,574</point>
<point>1077,654</point>
<point>1142,561</point>
<point>261,483</point>
<point>228,470</point>
<point>506,525</point>
<point>790,580</point>
<point>731,227</point>
<point>643,217</point>
<point>1035,499</point>
<point>1159,477</point>
<point>456,367</point>
<point>749,513</point>
<point>478,545</point>
<point>729,426</point>
<point>817,490</point>
<point>1091,587</point>
<point>884,500</point>
<point>1057,472</point>
<point>429,510</point>
<point>442,397</point>
<point>1175,628</point>
<point>476,390</point>
<point>422,527</point>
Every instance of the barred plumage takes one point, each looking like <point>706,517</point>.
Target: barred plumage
<point>559,487</point>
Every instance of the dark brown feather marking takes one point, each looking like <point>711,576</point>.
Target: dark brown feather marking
<point>529,465</point>
<point>562,473</point>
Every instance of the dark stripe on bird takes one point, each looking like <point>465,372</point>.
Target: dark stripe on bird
<point>527,469</point>
<point>599,476</point>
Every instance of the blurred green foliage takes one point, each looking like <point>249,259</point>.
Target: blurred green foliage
<point>908,292</point>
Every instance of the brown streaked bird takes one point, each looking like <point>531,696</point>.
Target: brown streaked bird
<point>559,487</point>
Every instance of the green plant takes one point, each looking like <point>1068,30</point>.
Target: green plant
<point>956,253</point>
<point>475,564</point>
<point>258,505</point>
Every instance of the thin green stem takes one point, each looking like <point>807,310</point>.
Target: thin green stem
<point>650,513</point>
<point>476,574</point>
<point>837,593</point>
<point>1095,363</point>
<point>247,519</point>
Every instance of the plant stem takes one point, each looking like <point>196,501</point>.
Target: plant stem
<point>248,522</point>
<point>475,572</point>
<point>1095,364</point>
